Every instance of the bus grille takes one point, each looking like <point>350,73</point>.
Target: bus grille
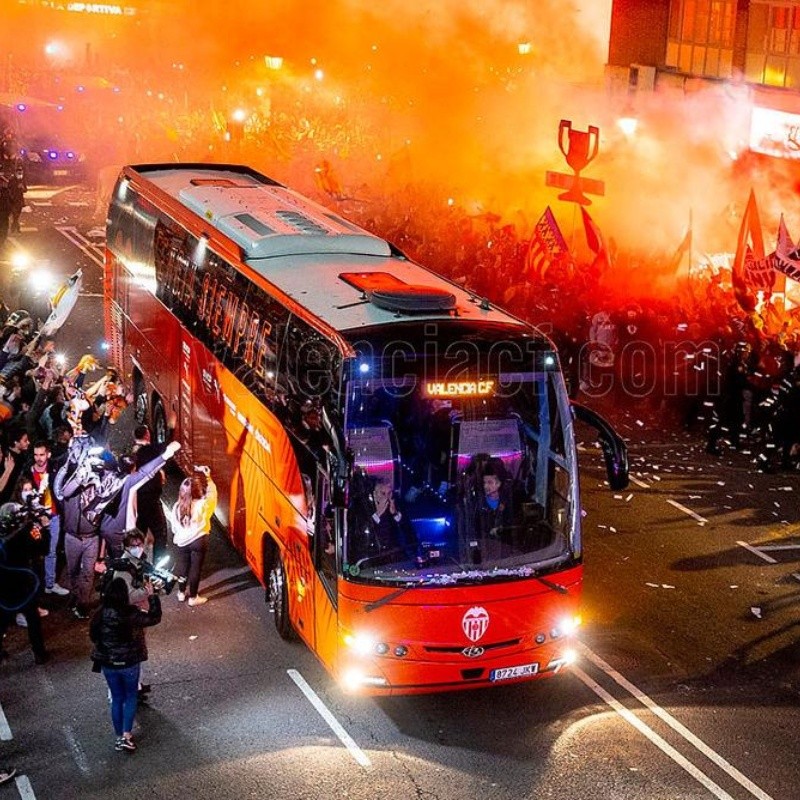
<point>460,648</point>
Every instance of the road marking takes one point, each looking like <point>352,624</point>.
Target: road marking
<point>92,251</point>
<point>24,787</point>
<point>780,547</point>
<point>358,754</point>
<point>756,551</point>
<point>638,482</point>
<point>76,749</point>
<point>5,729</point>
<point>673,723</point>
<point>692,514</point>
<point>650,734</point>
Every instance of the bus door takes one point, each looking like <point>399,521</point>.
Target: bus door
<point>323,525</point>
<point>186,392</point>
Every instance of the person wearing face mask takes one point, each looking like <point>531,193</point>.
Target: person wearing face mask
<point>130,567</point>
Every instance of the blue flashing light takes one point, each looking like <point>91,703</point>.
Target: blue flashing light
<point>363,368</point>
<point>549,361</point>
<point>52,155</point>
<point>105,346</point>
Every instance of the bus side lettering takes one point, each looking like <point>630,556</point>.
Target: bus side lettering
<point>240,328</point>
<point>219,302</point>
<point>249,350</point>
<point>229,317</point>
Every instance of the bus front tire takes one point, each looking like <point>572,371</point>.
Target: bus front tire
<point>279,598</point>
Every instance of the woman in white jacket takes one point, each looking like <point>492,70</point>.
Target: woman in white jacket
<point>190,519</point>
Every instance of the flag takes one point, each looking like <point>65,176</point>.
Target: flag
<point>683,248</point>
<point>786,258</point>
<point>749,254</point>
<point>594,238</point>
<point>547,246</point>
<point>62,303</point>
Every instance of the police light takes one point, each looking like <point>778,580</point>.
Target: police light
<point>363,368</point>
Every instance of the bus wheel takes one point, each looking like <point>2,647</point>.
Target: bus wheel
<point>159,423</point>
<point>140,400</point>
<point>279,598</point>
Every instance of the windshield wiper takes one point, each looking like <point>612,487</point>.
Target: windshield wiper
<point>387,598</point>
<point>556,587</point>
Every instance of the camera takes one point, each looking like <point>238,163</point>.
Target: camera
<point>160,578</point>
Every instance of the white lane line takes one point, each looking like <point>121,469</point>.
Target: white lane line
<point>678,727</point>
<point>638,482</point>
<point>76,749</point>
<point>24,787</point>
<point>648,732</point>
<point>757,552</point>
<point>5,729</point>
<point>355,751</point>
<point>692,514</point>
<point>779,547</point>
<point>91,251</point>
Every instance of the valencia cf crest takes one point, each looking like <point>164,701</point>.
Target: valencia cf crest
<point>475,623</point>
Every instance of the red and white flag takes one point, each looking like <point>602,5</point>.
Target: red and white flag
<point>749,274</point>
<point>547,246</point>
<point>595,240</point>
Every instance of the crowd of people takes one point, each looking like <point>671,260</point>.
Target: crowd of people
<point>81,524</point>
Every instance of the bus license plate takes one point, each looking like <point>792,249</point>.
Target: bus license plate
<point>59,172</point>
<point>522,671</point>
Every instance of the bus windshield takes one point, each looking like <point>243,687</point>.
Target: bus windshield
<point>459,482</point>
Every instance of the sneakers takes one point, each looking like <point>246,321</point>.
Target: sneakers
<point>21,621</point>
<point>181,596</point>
<point>6,774</point>
<point>126,743</point>
<point>197,600</point>
<point>56,589</point>
<point>79,613</point>
<point>43,612</point>
<point>118,744</point>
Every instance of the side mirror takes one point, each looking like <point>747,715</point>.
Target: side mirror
<point>615,451</point>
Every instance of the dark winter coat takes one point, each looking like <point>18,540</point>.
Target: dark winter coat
<point>118,636</point>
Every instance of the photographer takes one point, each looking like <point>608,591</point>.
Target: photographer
<point>117,631</point>
<point>20,541</point>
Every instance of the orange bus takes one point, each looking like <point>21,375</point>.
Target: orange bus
<point>395,457</point>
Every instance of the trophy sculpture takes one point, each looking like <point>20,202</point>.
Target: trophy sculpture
<point>580,151</point>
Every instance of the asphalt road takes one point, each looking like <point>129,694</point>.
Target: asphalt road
<point>687,685</point>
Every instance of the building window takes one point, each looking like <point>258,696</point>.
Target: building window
<point>700,39</point>
<point>773,44</point>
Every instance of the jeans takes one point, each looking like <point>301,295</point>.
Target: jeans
<point>81,557</point>
<point>51,559</point>
<point>123,682</point>
<point>189,561</point>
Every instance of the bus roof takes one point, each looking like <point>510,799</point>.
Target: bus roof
<point>310,253</point>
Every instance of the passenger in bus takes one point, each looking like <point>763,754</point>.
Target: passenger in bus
<point>496,513</point>
<point>389,529</point>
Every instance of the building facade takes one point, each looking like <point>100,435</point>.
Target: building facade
<point>749,49</point>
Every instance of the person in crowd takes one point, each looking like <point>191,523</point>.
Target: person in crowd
<point>150,517</point>
<point>42,474</point>
<point>118,508</point>
<point>18,444</point>
<point>76,486</point>
<point>190,519</point>
<point>19,546</point>
<point>16,197</point>
<point>120,647</point>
